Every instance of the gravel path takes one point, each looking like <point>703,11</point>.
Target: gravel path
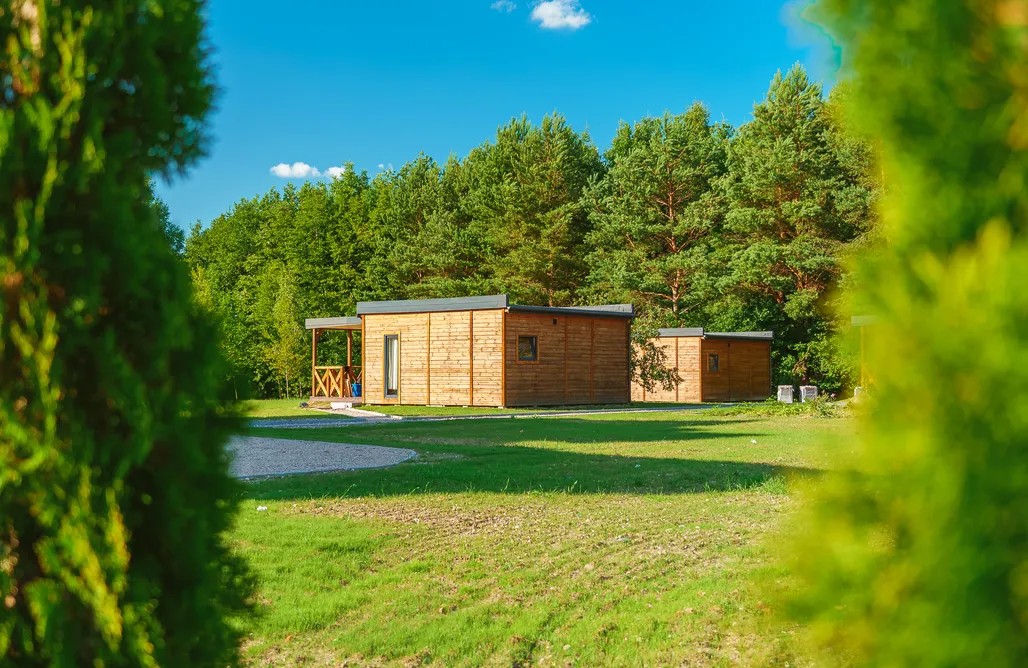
<point>255,457</point>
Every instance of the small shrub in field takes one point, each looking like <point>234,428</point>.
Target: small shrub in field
<point>923,561</point>
<point>820,407</point>
<point>114,490</point>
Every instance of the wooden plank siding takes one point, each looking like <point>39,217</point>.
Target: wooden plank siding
<point>581,360</point>
<point>744,371</point>
<point>750,372</point>
<point>439,352</point>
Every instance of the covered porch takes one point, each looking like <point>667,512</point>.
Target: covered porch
<point>332,382</point>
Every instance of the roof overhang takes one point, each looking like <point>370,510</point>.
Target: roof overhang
<point>746,336</point>
<point>699,332</point>
<point>433,305</point>
<point>863,320</point>
<point>680,331</point>
<point>490,302</point>
<point>626,311</point>
<point>333,323</point>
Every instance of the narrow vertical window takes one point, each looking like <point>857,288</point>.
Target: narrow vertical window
<point>712,363</point>
<point>392,366</point>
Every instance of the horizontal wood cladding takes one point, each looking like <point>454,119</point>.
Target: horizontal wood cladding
<point>488,347</point>
<point>436,357</point>
<point>683,353</point>
<point>716,385</point>
<point>451,358</point>
<point>744,370</point>
<point>580,360</point>
<point>689,390</point>
<point>750,372</point>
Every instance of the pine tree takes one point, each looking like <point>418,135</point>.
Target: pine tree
<point>526,194</point>
<point>114,489</point>
<point>655,213</point>
<point>793,206</point>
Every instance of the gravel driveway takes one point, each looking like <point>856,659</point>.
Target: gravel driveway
<point>255,456</point>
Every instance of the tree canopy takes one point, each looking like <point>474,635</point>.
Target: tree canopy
<point>695,222</point>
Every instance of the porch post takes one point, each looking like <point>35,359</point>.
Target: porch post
<point>349,348</point>
<point>314,361</point>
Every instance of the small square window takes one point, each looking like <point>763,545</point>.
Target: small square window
<point>528,349</point>
<point>712,363</point>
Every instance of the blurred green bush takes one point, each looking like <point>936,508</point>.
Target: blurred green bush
<point>922,559</point>
<point>114,490</point>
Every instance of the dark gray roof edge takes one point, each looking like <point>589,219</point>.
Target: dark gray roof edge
<point>759,336</point>
<point>327,323</point>
<point>601,311</point>
<point>433,305</point>
<point>680,331</point>
<point>616,308</point>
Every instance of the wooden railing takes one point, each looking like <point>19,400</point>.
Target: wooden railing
<point>335,381</point>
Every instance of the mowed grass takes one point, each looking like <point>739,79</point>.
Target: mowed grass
<point>275,408</point>
<point>624,539</point>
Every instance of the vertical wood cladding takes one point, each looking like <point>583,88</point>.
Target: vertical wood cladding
<point>580,360</point>
<point>744,370</point>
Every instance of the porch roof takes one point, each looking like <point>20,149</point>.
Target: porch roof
<point>347,322</point>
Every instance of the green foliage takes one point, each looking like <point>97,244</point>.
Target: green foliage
<point>114,491</point>
<point>795,200</point>
<point>174,235</point>
<point>657,217</point>
<point>822,406</point>
<point>924,561</point>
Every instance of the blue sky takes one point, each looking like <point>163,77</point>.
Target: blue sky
<point>324,83</point>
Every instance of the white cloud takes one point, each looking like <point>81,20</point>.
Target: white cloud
<point>297,170</point>
<point>558,14</point>
<point>503,6</point>
<point>301,170</point>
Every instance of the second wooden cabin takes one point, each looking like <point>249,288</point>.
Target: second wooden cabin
<point>712,366</point>
<point>485,351</point>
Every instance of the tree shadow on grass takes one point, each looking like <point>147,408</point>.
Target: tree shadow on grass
<point>571,455</point>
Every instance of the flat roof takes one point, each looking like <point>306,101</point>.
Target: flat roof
<point>753,336</point>
<point>489,302</point>
<point>598,311</point>
<point>700,332</point>
<point>680,331</point>
<point>333,323</point>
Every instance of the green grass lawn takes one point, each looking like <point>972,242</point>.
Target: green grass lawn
<point>275,408</point>
<point>614,539</point>
<point>442,411</point>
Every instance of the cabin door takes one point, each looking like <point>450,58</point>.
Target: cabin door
<point>392,366</point>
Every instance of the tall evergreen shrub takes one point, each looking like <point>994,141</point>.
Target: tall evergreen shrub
<point>114,490</point>
<point>922,558</point>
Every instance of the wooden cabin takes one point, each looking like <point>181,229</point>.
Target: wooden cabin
<point>713,366</point>
<point>485,351</point>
